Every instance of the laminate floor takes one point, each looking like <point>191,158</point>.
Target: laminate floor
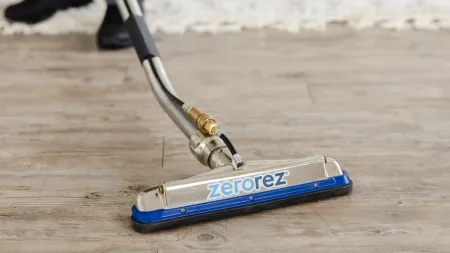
<point>81,134</point>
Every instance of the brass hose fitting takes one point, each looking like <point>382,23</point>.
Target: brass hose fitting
<point>205,122</point>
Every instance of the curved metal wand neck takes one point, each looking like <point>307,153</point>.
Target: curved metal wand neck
<point>207,142</point>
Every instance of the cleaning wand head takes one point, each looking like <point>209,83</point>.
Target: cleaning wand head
<point>231,186</point>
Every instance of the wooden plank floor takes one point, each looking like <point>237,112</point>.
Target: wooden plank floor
<point>81,134</point>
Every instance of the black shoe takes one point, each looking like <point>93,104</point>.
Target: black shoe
<point>35,11</point>
<point>112,34</point>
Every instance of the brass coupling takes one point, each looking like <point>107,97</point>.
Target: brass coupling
<point>204,122</point>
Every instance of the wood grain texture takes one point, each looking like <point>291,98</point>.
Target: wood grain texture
<point>81,135</point>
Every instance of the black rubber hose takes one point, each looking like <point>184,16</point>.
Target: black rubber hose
<point>145,47</point>
<point>228,143</point>
<point>171,96</point>
<point>230,147</point>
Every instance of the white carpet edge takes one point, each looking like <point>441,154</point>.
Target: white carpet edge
<point>87,20</point>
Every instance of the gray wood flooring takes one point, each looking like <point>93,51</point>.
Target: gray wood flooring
<point>81,134</point>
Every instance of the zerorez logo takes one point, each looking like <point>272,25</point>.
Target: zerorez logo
<point>247,184</point>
